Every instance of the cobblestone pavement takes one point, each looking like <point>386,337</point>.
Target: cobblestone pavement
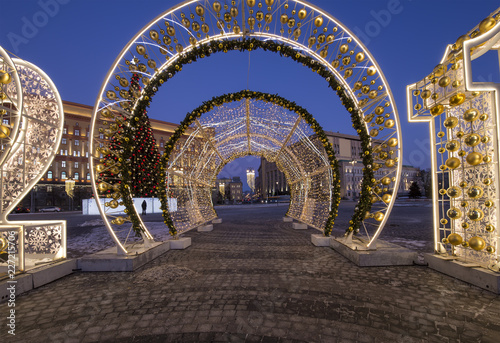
<point>254,279</point>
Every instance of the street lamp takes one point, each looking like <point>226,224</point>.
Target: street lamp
<point>70,187</point>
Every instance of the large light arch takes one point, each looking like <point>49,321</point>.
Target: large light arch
<point>295,29</point>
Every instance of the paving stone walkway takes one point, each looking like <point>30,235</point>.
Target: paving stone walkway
<point>254,279</point>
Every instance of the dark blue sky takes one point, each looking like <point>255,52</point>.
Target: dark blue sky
<point>76,42</point>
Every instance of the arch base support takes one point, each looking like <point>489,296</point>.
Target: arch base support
<point>386,254</point>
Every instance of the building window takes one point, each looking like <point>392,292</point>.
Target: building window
<point>65,130</point>
<point>161,144</point>
<point>62,152</point>
<point>63,164</point>
<point>63,175</point>
<point>77,132</point>
<point>77,142</point>
<point>49,174</point>
<point>88,165</point>
<point>63,141</point>
<point>76,164</point>
<point>49,189</point>
<point>101,136</point>
<point>88,176</point>
<point>87,154</point>
<point>77,176</point>
<point>5,121</point>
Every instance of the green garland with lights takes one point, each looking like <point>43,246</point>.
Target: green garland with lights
<point>205,50</point>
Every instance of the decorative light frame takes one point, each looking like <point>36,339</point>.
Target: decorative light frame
<point>463,234</point>
<point>34,142</point>
<point>348,77</point>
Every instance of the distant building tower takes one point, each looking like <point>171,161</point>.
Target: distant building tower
<point>251,179</point>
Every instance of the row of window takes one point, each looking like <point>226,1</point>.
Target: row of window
<point>76,164</point>
<point>64,175</point>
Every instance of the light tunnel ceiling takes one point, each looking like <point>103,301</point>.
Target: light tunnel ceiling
<point>250,127</point>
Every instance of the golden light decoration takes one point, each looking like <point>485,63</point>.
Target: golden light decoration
<point>465,157</point>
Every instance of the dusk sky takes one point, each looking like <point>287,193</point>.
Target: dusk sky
<point>76,41</point>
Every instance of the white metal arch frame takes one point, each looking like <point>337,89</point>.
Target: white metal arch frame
<point>308,29</point>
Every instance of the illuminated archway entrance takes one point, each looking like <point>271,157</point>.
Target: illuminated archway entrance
<point>251,123</point>
<point>293,29</point>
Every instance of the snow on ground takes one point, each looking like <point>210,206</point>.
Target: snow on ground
<point>99,239</point>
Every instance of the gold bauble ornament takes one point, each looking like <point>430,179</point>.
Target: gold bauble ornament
<point>318,21</point>
<point>444,240</point>
<point>473,139</point>
<point>464,203</point>
<point>373,132</point>
<point>392,142</point>
<point>99,168</point>
<point>463,184</point>
<point>386,181</point>
<point>460,40</point>
<point>437,110</point>
<point>5,77</point>
<point>4,243</point>
<point>489,228</point>
<point>487,181</point>
<point>487,24</point>
<point>443,221</point>
<point>371,71</point>
<point>390,163</point>
<point>474,158</point>
<point>487,159</point>
<point>489,203</point>
<point>389,123</point>
<point>360,56</point>
<point>387,198</point>
<point>119,220</point>
<point>200,10</point>
<point>379,216</point>
<point>102,186</point>
<point>426,94</point>
<point>457,99</point>
<point>475,192</point>
<point>471,114</point>
<point>477,243</point>
<point>454,192</point>
<point>454,213</point>
<point>465,225</point>
<point>442,191</point>
<point>444,81</point>
<point>483,117</point>
<point>216,6</point>
<point>485,139</point>
<point>452,163</point>
<point>455,239</point>
<point>4,131</point>
<point>475,214</point>
<point>452,145</point>
<point>490,249</point>
<point>450,122</point>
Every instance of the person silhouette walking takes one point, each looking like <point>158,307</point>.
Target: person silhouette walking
<point>144,207</point>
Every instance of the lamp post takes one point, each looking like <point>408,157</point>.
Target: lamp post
<point>70,187</point>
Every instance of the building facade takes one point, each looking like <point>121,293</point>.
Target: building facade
<point>72,161</point>
<point>348,151</point>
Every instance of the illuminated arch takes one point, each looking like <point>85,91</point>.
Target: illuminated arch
<point>294,29</point>
<point>250,123</point>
